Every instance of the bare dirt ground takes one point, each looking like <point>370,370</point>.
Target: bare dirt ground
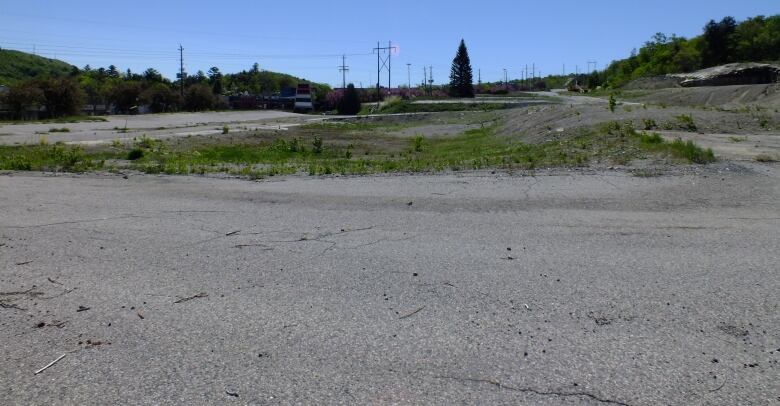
<point>729,97</point>
<point>584,287</point>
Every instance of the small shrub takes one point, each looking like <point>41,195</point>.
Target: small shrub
<point>686,122</point>
<point>59,130</point>
<point>225,129</point>
<point>43,141</point>
<point>135,154</point>
<point>115,143</point>
<point>317,145</point>
<point>144,142</point>
<point>612,103</point>
<point>649,124</point>
<point>417,143</point>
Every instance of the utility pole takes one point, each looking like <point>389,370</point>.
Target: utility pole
<point>383,63</point>
<point>181,70</point>
<point>479,76</point>
<point>409,75</point>
<point>506,85</point>
<point>430,80</point>
<point>526,76</point>
<point>343,69</point>
<point>595,66</point>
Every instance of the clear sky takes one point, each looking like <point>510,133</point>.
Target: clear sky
<point>306,38</point>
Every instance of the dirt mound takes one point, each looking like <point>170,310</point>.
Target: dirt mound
<point>556,122</point>
<point>652,83</point>
<point>731,74</point>
<point>727,97</point>
<point>724,75</point>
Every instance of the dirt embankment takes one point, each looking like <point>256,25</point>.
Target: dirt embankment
<point>548,123</point>
<point>727,97</point>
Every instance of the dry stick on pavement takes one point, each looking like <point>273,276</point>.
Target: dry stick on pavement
<point>50,364</point>
<point>412,313</point>
<point>187,299</point>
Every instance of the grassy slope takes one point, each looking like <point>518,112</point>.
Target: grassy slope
<point>16,66</point>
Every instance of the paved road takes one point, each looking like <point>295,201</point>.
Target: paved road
<point>156,125</point>
<point>392,290</point>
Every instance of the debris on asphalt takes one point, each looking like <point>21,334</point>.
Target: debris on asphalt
<point>23,263</point>
<point>82,309</point>
<point>231,393</point>
<point>187,299</point>
<point>411,314</point>
<point>232,233</point>
<point>50,364</point>
<point>54,282</point>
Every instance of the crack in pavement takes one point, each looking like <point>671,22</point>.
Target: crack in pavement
<point>535,391</point>
<point>79,221</point>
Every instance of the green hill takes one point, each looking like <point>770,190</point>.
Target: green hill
<point>16,66</point>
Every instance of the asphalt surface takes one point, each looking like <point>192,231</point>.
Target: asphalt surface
<point>561,288</point>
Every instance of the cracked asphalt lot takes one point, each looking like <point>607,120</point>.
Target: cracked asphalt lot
<point>586,287</point>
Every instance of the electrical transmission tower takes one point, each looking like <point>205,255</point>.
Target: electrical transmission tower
<point>343,69</point>
<point>382,63</point>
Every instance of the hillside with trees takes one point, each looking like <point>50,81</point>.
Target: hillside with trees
<point>756,39</point>
<point>16,66</point>
<point>34,81</point>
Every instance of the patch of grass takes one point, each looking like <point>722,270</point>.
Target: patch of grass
<point>738,139</point>
<point>690,151</point>
<point>59,130</point>
<point>45,158</point>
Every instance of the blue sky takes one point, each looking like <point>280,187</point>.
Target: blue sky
<point>305,38</point>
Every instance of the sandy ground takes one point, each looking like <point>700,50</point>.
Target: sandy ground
<point>579,287</point>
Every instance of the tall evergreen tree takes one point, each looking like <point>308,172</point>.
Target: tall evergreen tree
<point>461,76</point>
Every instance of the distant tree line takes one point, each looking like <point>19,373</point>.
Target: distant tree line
<point>756,39</point>
<point>68,94</point>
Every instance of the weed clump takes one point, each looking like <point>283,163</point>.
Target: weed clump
<point>135,154</point>
<point>417,143</point>
<point>317,145</point>
<point>686,122</point>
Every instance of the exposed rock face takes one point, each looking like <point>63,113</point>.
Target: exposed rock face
<point>731,74</point>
